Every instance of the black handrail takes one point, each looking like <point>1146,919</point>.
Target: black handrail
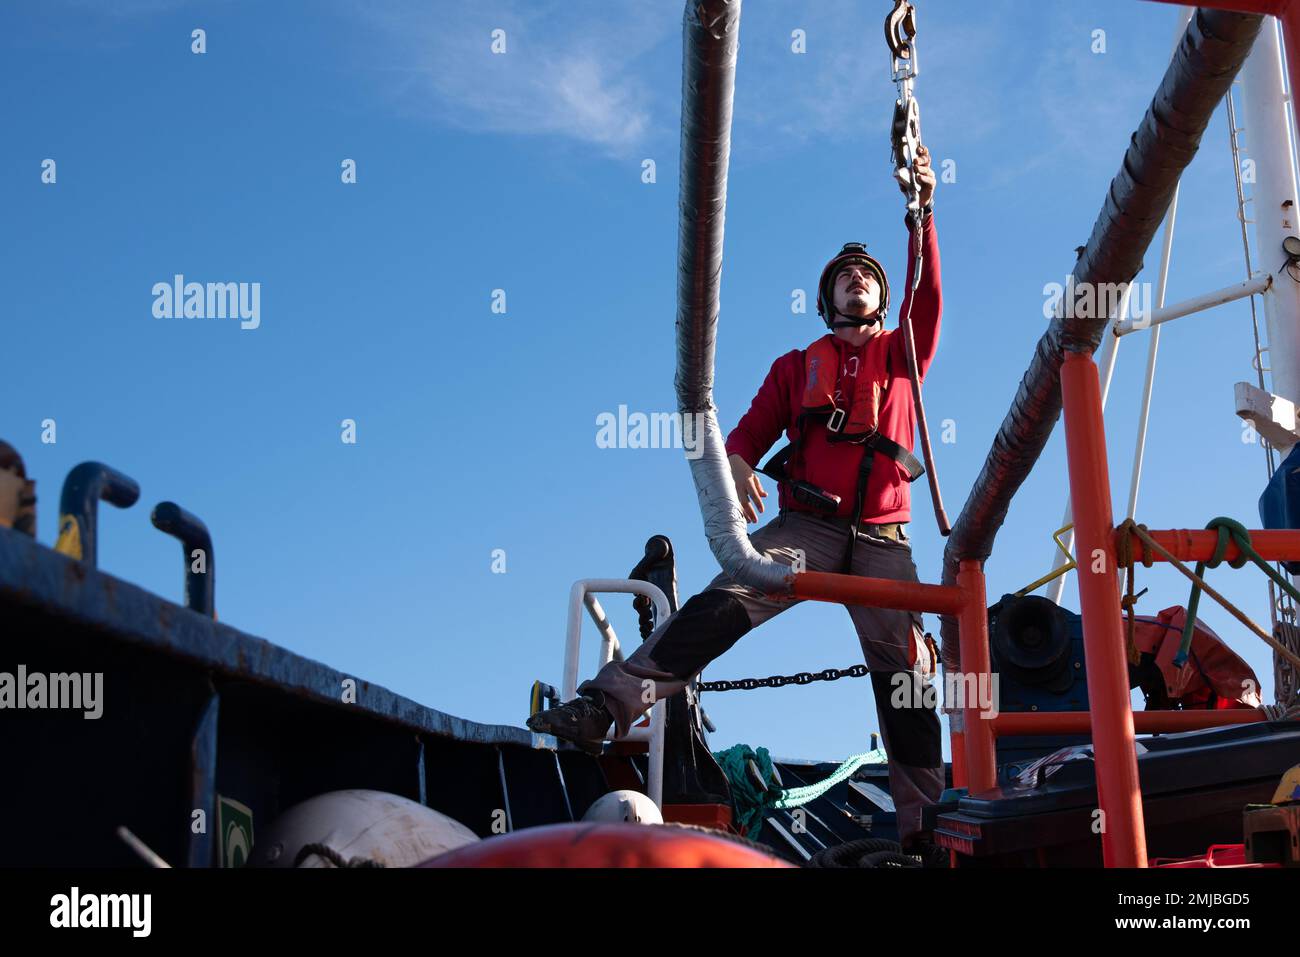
<point>86,485</point>
<point>196,551</point>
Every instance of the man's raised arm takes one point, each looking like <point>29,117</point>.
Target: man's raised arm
<point>928,306</point>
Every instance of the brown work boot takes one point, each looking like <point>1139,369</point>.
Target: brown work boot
<point>583,721</point>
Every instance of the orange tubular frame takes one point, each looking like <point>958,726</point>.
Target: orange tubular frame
<point>973,630</point>
<point>1111,721</point>
<point>1145,722</point>
<point>1197,545</point>
<point>1123,840</point>
<point>877,592</point>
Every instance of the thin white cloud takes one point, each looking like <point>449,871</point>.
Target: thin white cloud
<point>569,69</point>
<point>607,73</point>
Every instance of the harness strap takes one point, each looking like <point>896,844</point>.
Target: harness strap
<point>876,442</point>
<point>859,497</point>
<point>910,463</point>
<point>776,469</point>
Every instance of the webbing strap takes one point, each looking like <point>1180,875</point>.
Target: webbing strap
<point>776,469</point>
<point>859,498</point>
<point>910,463</point>
<point>776,465</point>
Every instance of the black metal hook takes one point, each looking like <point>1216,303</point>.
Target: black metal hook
<point>900,29</point>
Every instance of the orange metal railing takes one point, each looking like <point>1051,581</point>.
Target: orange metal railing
<point>1110,719</point>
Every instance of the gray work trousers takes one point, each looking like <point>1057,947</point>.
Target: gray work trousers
<point>901,661</point>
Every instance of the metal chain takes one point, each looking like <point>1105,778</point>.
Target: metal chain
<point>780,681</point>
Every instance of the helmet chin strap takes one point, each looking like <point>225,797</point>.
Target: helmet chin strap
<point>853,322</point>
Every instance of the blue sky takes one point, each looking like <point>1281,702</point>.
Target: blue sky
<point>522,172</point>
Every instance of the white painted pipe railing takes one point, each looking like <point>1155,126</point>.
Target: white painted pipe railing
<point>1239,290</point>
<point>609,646</point>
<point>580,599</point>
<point>1153,349</point>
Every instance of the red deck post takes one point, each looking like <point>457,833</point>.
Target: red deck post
<point>981,769</point>
<point>957,744</point>
<point>1123,836</point>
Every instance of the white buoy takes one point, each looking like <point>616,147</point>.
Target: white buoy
<point>374,826</point>
<point>630,806</point>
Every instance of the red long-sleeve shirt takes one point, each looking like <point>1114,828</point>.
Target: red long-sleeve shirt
<point>834,466</point>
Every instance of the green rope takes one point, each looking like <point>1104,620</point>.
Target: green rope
<point>751,806</point>
<point>793,797</point>
<point>1234,531</point>
<point>747,804</point>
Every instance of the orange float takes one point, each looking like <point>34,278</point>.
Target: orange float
<point>606,845</point>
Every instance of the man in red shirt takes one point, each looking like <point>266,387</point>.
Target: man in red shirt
<point>846,405</point>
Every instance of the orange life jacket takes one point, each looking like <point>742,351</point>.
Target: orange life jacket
<point>860,419</point>
<point>858,423</point>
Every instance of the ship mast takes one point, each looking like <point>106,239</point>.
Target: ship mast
<point>1269,137</point>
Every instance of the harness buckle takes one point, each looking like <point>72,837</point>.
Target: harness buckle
<point>836,421</point>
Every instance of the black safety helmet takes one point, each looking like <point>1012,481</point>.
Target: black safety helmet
<point>851,253</point>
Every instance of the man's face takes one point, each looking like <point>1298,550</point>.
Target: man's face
<point>857,291</point>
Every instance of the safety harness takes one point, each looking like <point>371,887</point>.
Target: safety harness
<point>857,424</point>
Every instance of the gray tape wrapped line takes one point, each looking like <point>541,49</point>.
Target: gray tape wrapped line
<point>709,43</point>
